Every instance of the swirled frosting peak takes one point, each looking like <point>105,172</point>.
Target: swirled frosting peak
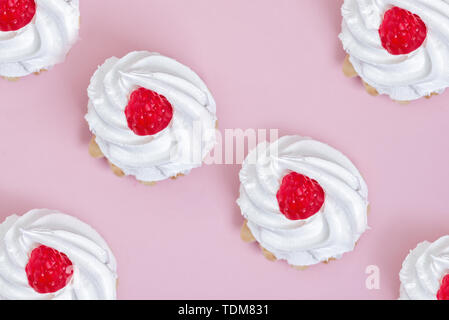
<point>178,148</point>
<point>403,77</point>
<point>44,42</point>
<point>328,234</point>
<point>94,266</point>
<point>424,269</point>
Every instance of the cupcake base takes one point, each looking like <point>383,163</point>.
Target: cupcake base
<point>14,79</point>
<point>11,79</point>
<point>349,71</point>
<point>95,152</point>
<point>247,236</point>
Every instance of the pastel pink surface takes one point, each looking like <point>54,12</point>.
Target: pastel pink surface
<point>269,64</point>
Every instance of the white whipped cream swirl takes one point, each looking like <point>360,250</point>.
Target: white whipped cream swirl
<point>175,150</point>
<point>44,42</point>
<point>424,269</point>
<point>94,275</point>
<point>402,77</point>
<point>334,230</point>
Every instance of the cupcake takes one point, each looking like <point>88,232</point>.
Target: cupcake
<point>398,48</point>
<point>35,34</point>
<point>150,116</point>
<point>425,272</point>
<point>303,201</point>
<point>47,255</point>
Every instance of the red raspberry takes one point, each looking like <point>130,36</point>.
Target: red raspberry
<point>48,270</point>
<point>148,112</point>
<point>299,197</point>
<point>16,14</point>
<point>443,293</point>
<point>401,31</point>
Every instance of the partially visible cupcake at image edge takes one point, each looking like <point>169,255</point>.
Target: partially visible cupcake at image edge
<point>47,255</point>
<point>302,200</point>
<point>397,48</point>
<point>35,35</point>
<point>425,272</point>
<point>150,116</point>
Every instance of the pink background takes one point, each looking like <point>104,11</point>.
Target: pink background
<point>269,64</point>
